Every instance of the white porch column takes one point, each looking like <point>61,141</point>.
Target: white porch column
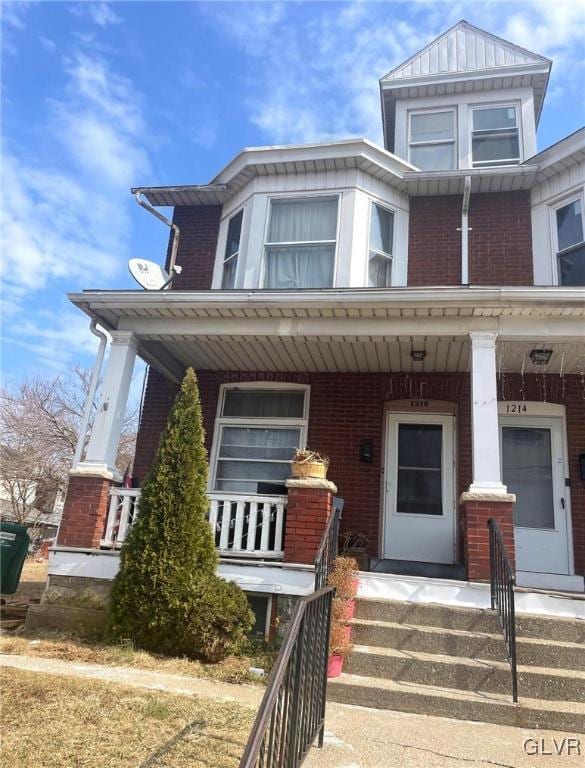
<point>487,475</point>
<point>100,459</point>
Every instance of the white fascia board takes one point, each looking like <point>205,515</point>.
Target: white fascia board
<point>526,170</point>
<point>561,150</point>
<point>327,151</point>
<point>512,70</point>
<point>404,297</point>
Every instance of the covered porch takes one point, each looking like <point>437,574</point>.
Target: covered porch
<point>458,360</point>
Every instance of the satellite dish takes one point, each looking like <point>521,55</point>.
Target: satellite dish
<point>148,274</point>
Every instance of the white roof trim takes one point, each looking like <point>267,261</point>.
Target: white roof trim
<point>460,54</point>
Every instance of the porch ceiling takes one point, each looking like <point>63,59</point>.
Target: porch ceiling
<point>350,354</point>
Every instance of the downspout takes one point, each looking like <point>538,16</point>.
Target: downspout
<point>465,232</point>
<point>142,201</point>
<point>90,392</point>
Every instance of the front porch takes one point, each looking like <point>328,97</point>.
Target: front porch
<point>375,370</point>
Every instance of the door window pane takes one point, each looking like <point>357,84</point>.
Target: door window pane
<point>527,471</point>
<point>419,469</point>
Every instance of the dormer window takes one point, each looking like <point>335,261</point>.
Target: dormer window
<point>431,143</point>
<point>495,136</point>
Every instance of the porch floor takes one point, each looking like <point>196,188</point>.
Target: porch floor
<point>428,570</point>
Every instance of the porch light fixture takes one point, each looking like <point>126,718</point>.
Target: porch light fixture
<point>541,356</point>
<point>418,355</point>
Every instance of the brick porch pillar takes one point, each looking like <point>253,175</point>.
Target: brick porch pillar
<point>84,512</point>
<point>478,508</point>
<point>310,502</point>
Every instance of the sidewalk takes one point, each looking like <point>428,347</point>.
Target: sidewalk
<point>359,737</point>
<point>248,695</point>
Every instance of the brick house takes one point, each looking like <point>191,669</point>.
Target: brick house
<point>414,311</point>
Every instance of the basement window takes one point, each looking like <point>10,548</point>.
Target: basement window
<point>232,250</point>
<point>380,247</point>
<point>301,242</point>
<point>257,432</point>
<point>495,136</point>
<point>431,144</point>
<point>570,243</point>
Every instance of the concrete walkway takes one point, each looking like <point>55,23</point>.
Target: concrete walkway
<point>248,695</point>
<point>359,737</point>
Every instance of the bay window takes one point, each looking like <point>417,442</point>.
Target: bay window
<point>570,243</point>
<point>432,140</point>
<point>232,249</point>
<point>301,242</point>
<point>257,433</point>
<point>495,136</point>
<point>380,247</point>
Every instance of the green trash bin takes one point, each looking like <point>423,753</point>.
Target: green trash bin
<point>14,545</point>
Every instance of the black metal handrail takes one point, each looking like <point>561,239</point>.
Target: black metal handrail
<point>327,552</point>
<point>502,582</point>
<point>292,711</point>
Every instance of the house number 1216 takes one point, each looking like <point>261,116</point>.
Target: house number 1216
<point>516,408</point>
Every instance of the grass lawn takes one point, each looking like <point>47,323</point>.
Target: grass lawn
<point>60,722</point>
<point>50,645</point>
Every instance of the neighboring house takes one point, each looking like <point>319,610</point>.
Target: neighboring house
<point>416,312</point>
<point>27,502</point>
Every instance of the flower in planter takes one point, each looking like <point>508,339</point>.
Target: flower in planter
<point>344,579</point>
<point>307,463</point>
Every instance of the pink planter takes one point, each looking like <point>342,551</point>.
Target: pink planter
<point>334,666</point>
<point>348,610</point>
<point>347,634</point>
<point>355,584</point>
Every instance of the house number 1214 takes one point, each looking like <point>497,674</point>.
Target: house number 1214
<point>516,408</point>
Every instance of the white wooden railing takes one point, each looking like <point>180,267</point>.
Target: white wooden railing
<point>121,513</point>
<point>243,526</point>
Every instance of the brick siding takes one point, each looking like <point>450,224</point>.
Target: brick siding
<point>84,512</point>
<point>346,408</point>
<point>500,241</point>
<point>199,228</point>
<point>476,535</point>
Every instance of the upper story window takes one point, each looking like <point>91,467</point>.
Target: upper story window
<point>380,247</point>
<point>432,140</point>
<point>232,249</point>
<point>301,242</point>
<point>495,136</point>
<point>258,431</point>
<point>570,245</point>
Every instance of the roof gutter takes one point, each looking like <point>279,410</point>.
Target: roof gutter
<point>465,229</point>
<point>143,202</point>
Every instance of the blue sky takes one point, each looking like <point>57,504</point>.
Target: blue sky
<point>99,97</point>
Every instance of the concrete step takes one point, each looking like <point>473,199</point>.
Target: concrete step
<point>471,645</point>
<point>465,674</point>
<point>470,619</point>
<point>568,717</point>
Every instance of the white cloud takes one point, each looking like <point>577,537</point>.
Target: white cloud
<point>101,14</point>
<point>66,223</point>
<point>316,75</point>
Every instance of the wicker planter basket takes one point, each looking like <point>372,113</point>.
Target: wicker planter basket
<point>309,469</point>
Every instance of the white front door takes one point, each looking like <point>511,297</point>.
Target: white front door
<point>419,514</point>
<point>534,468</point>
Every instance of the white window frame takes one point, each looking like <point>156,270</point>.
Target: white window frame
<point>573,197</point>
<point>291,198</point>
<point>235,255</point>
<point>372,202</point>
<point>233,421</point>
<point>435,142</point>
<point>497,163</point>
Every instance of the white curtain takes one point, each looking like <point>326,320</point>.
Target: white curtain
<point>303,220</point>
<point>301,266</point>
